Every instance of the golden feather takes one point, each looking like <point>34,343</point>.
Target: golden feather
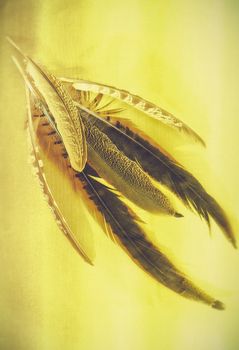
<point>119,222</point>
<point>55,157</point>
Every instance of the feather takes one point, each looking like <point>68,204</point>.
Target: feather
<point>49,178</point>
<point>57,100</point>
<point>121,172</point>
<point>137,102</point>
<point>117,220</point>
<point>163,168</point>
<point>64,112</point>
<point>131,237</point>
<point>124,174</point>
<point>51,160</point>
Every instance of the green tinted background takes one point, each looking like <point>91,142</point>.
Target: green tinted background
<point>182,55</point>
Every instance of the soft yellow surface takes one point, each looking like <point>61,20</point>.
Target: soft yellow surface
<point>182,55</point>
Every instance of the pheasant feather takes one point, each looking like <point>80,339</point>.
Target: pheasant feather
<point>75,148</point>
<point>38,165</point>
<point>64,113</point>
<point>137,102</point>
<point>120,223</point>
<point>162,167</point>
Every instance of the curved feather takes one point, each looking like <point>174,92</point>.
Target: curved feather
<point>73,224</point>
<point>64,112</point>
<point>117,220</point>
<point>121,172</point>
<point>137,102</point>
<point>163,168</point>
<point>58,101</point>
<point>130,236</point>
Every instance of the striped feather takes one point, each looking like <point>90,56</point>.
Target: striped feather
<point>48,177</point>
<point>137,102</point>
<point>163,168</point>
<point>64,112</point>
<point>117,220</point>
<point>131,237</point>
<point>58,102</point>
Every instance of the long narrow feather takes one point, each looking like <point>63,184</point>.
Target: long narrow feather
<point>124,174</point>
<point>60,104</point>
<point>120,223</point>
<point>39,170</point>
<point>131,237</point>
<point>137,102</point>
<point>167,171</point>
<point>119,220</point>
<point>64,112</point>
<point>180,181</point>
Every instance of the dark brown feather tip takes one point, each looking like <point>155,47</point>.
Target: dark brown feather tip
<point>178,215</point>
<point>217,304</point>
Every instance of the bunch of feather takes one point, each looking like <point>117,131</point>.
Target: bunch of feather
<point>75,139</point>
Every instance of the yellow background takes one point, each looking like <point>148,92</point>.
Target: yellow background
<point>182,55</point>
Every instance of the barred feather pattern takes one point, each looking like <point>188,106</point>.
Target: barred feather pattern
<point>137,102</point>
<point>123,173</point>
<point>122,225</point>
<point>64,112</point>
<point>117,218</point>
<point>133,240</point>
<point>38,167</point>
<point>166,170</point>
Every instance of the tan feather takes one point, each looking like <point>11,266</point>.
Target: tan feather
<point>64,112</point>
<point>60,105</point>
<point>117,219</point>
<point>137,102</point>
<point>76,238</point>
<point>121,224</point>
